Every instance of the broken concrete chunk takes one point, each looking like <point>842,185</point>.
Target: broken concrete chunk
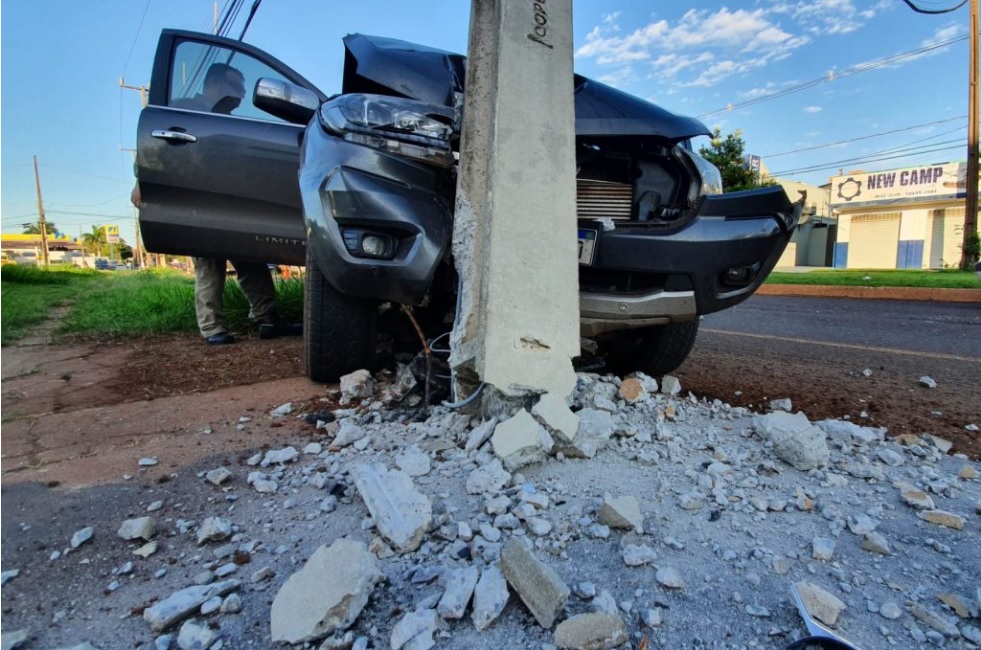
<point>916,498</point>
<point>282,410</point>
<point>783,404</point>
<point>356,385</point>
<point>876,543</point>
<point>621,512</point>
<point>942,444</point>
<point>632,390</point>
<point>540,588</point>
<point>638,555</point>
<point>521,441</point>
<point>928,382</point>
<point>851,433</point>
<point>822,548</point>
<point>214,529</point>
<point>820,604</point>
<point>591,632</point>
<point>670,385</point>
<point>943,518</point>
<point>280,456</point>
<point>490,478</point>
<point>933,620</point>
<point>348,434</point>
<point>415,630</point>
<point>414,461</point>
<point>327,594</point>
<point>218,475</point>
<point>196,637</point>
<point>183,603</point>
<point>595,424</point>
<point>480,435</point>
<point>81,536</point>
<point>139,528</point>
<point>460,584</point>
<point>795,440</point>
<point>670,577</point>
<point>555,414</point>
<point>490,596</point>
<point>401,513</point>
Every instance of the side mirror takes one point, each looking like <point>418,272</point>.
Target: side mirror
<point>287,101</point>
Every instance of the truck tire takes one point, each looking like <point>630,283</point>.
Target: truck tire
<point>339,331</point>
<point>654,350</point>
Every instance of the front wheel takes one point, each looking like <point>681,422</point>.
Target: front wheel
<point>339,331</point>
<point>653,350</point>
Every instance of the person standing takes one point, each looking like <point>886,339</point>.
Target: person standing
<point>222,92</point>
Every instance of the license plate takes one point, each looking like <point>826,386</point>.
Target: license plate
<point>587,246</point>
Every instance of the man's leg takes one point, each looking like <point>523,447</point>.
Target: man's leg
<point>257,283</point>
<point>209,293</point>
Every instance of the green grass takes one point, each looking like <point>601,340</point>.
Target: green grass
<point>122,302</point>
<point>880,278</point>
<point>30,293</point>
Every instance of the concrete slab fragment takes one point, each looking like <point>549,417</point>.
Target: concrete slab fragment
<point>401,513</point>
<point>540,588</point>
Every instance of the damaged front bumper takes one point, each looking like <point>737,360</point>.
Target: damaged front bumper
<point>641,276</point>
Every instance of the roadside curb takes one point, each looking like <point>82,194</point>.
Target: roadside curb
<point>875,293</point>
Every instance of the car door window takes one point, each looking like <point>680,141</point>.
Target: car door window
<point>209,78</point>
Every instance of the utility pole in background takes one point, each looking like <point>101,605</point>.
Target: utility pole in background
<point>969,257</point>
<point>139,245</point>
<point>42,226</point>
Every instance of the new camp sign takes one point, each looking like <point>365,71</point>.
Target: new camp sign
<point>923,183</point>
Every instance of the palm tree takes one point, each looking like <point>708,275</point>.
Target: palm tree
<point>34,229</point>
<point>95,242</point>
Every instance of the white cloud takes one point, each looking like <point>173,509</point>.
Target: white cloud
<point>701,48</point>
<point>828,17</point>
<point>813,109</point>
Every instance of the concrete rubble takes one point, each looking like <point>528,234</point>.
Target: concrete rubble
<point>327,594</point>
<point>417,533</point>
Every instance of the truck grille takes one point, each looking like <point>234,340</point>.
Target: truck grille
<point>603,200</point>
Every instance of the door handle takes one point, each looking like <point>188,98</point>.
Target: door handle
<point>173,136</point>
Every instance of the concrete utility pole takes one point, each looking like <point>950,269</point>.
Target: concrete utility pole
<point>514,235</point>
<point>42,226</point>
<point>971,200</point>
<point>142,90</point>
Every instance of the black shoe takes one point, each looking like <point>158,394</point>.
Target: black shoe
<point>223,338</point>
<point>279,328</point>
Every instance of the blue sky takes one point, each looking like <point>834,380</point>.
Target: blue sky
<point>797,75</point>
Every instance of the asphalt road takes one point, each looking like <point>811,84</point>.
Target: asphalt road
<point>927,328</point>
<point>860,359</point>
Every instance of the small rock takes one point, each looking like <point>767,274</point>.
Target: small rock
<point>460,584</point>
<point>591,631</point>
<point>356,385</point>
<point>414,461</point>
<point>783,404</point>
<point>967,473</point>
<point>669,577</point>
<point>795,440</point>
<point>146,550</point>
<point>758,611</point>
<point>552,411</point>
<point>183,603</point>
<point>651,617</point>
<point>489,598</point>
<point>218,475</point>
<point>7,576</point>
<point>195,637</point>
<point>638,555</point>
<point>232,604</point>
<point>876,543</point>
<point>81,536</point>
<point>670,385</point>
<point>488,479</point>
<point>942,518</point>
<point>282,410</point>
<point>942,444</point>
<point>401,513</point>
<point>147,462</point>
<point>820,604</point>
<point>539,586</point>
<point>890,610</point>
<point>933,620</point>
<point>521,441</point>
<point>928,382</point>
<point>348,434</point>
<point>822,548</point>
<point>961,606</point>
<point>139,528</point>
<point>632,391</point>
<point>214,529</point>
<point>415,630</point>
<point>916,498</point>
<point>280,456</point>
<point>622,512</point>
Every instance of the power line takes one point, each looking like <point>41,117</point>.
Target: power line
<point>864,137</point>
<point>831,76</point>
<point>870,159</point>
<point>136,37</point>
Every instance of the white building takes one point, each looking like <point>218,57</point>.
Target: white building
<point>906,218</point>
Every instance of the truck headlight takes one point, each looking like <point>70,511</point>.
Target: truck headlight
<point>403,126</point>
<point>708,177</point>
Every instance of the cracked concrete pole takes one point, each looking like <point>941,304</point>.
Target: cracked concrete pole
<point>514,236</point>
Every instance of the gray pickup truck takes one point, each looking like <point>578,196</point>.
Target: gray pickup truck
<point>360,187</point>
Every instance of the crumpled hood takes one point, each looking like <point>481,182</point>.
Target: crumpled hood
<point>387,66</point>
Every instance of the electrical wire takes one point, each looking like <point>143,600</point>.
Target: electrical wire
<point>921,10</point>
<point>832,76</point>
<point>136,37</point>
<point>864,137</point>
<point>857,161</point>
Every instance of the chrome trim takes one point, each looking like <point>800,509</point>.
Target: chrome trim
<point>173,136</point>
<point>600,312</point>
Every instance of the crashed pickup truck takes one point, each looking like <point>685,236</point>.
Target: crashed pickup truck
<point>371,217</point>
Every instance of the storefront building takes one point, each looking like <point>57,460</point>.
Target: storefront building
<point>906,218</point>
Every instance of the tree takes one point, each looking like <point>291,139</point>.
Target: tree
<point>95,243</point>
<point>728,154</point>
<point>35,229</point>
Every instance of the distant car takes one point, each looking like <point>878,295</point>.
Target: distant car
<point>103,264</point>
<point>659,244</point>
<point>5,259</point>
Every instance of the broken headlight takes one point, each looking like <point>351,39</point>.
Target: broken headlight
<point>707,175</point>
<point>401,126</point>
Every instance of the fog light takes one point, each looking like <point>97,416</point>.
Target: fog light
<point>374,245</point>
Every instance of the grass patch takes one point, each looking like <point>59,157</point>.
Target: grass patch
<point>880,278</point>
<point>30,293</point>
<point>148,302</point>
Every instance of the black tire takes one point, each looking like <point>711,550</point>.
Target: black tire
<point>653,350</point>
<point>339,331</point>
